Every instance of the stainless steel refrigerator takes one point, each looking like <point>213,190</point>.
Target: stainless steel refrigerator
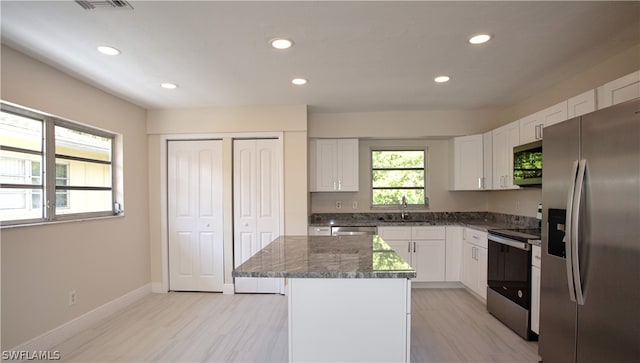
<point>590,272</point>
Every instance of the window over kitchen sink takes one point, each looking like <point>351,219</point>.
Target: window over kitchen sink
<point>398,174</point>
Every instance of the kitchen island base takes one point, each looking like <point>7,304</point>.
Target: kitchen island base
<point>349,320</point>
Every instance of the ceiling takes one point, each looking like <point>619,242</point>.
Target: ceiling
<point>357,56</point>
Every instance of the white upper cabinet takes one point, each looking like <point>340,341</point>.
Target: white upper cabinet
<point>581,104</point>
<point>620,90</point>
<point>531,126</point>
<point>468,163</point>
<point>334,165</point>
<point>487,140</point>
<point>504,139</point>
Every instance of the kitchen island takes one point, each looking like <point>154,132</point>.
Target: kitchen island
<point>349,297</point>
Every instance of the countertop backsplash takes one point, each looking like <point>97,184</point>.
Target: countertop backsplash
<point>436,218</point>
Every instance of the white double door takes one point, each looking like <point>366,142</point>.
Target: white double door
<point>195,215</point>
<point>257,184</point>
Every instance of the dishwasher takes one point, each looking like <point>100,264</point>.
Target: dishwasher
<point>353,231</point>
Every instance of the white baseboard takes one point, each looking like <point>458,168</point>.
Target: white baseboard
<point>63,332</point>
<point>156,287</point>
<point>228,289</point>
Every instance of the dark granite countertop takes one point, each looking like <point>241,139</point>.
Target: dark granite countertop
<point>481,221</point>
<point>326,257</point>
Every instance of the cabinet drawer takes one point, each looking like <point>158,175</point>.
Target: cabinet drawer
<point>395,233</point>
<point>475,237</point>
<point>420,233</point>
<point>536,255</point>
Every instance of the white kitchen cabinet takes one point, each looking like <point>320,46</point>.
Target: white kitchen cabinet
<point>619,90</point>
<point>504,139</point>
<point>487,141</point>
<point>334,165</point>
<point>468,163</point>
<point>531,127</point>
<point>474,261</point>
<point>453,254</point>
<point>581,104</point>
<point>424,248</point>
<point>535,289</point>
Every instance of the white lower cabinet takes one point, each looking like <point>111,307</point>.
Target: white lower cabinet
<point>535,289</point>
<point>453,254</point>
<point>424,248</point>
<point>474,261</point>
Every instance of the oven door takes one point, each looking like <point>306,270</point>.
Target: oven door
<point>509,269</point>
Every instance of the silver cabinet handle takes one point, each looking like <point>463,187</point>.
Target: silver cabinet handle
<point>409,247</point>
<point>339,184</point>
<point>334,185</point>
<point>479,183</point>
<point>414,247</point>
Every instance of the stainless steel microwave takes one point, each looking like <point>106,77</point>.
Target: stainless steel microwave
<point>527,164</point>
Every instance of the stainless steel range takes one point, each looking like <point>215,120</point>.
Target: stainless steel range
<point>509,278</point>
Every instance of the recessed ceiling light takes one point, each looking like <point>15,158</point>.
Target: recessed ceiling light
<point>281,43</point>
<point>442,79</point>
<point>480,38</point>
<point>169,85</point>
<point>105,49</point>
<point>299,81</point>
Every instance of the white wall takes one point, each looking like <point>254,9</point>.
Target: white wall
<point>291,121</point>
<point>100,259</point>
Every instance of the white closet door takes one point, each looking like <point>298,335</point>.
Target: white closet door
<point>256,199</point>
<point>195,215</point>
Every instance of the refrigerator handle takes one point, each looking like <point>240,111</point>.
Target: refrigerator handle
<point>568,232</point>
<point>575,220</point>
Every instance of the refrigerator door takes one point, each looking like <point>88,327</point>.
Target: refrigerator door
<point>560,151</point>
<point>609,242</point>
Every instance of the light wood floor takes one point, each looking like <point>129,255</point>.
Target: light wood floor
<point>448,325</point>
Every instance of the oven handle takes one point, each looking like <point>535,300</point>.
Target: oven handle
<point>509,242</point>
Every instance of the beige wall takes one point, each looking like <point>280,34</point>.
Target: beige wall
<point>440,198</point>
<point>398,125</point>
<point>100,259</point>
<point>227,123</point>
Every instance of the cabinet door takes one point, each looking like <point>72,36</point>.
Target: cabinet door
<point>487,155</point>
<point>481,272</point>
<point>504,139</point>
<point>468,168</point>
<point>620,90</point>
<point>581,104</point>
<point>468,265</point>
<point>402,248</point>
<point>535,299</point>
<point>347,165</point>
<point>428,260</point>
<point>453,254</point>
<point>530,128</point>
<point>554,114</point>
<point>326,154</point>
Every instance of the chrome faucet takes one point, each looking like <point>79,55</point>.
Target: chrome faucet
<point>404,214</point>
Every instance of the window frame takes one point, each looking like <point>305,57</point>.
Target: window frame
<point>425,176</point>
<point>48,186</point>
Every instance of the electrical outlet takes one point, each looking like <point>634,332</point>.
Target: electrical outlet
<point>354,204</point>
<point>517,206</point>
<point>338,204</point>
<point>72,297</point>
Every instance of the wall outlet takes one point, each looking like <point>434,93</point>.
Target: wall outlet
<point>517,206</point>
<point>338,204</point>
<point>72,297</point>
<point>354,204</point>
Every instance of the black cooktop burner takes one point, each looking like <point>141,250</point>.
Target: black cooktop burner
<point>519,234</point>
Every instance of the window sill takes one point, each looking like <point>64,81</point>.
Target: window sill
<point>46,223</point>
